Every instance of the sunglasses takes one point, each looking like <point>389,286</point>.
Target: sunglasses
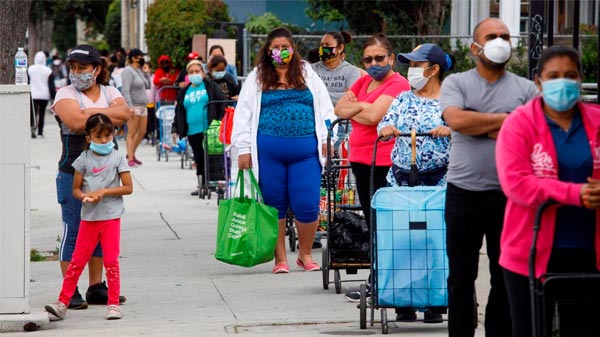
<point>369,59</point>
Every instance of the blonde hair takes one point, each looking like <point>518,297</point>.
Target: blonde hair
<point>194,62</point>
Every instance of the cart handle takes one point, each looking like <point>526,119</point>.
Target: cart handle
<point>532,279</point>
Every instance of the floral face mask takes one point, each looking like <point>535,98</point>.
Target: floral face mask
<point>281,56</point>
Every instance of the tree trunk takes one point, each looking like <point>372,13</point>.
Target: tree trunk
<point>14,17</point>
<point>39,37</point>
<point>429,18</point>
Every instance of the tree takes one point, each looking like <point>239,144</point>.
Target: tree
<point>420,17</point>
<point>40,26</point>
<point>59,17</point>
<point>172,24</point>
<point>263,24</point>
<point>13,24</point>
<point>112,28</point>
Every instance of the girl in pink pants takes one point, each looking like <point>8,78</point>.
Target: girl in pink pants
<point>101,179</point>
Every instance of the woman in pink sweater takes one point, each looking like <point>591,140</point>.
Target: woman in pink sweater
<point>550,149</point>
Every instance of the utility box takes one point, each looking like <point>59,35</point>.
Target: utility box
<point>15,136</point>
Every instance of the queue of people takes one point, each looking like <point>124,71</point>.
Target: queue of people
<point>501,144</point>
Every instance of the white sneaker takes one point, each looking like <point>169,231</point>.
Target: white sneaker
<point>57,309</point>
<point>114,312</point>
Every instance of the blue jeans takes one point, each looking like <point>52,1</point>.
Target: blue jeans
<point>71,216</point>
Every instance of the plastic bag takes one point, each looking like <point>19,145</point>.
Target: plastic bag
<point>348,239</point>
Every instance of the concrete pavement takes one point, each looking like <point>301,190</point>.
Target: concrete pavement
<point>174,285</point>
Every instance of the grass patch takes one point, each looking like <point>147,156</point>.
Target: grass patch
<point>35,256</point>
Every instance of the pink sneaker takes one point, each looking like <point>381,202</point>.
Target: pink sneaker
<point>114,312</point>
<point>131,163</point>
<point>137,161</point>
<point>58,309</point>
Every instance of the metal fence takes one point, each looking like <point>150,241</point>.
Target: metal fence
<point>456,45</point>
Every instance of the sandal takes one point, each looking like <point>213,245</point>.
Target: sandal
<point>281,268</point>
<point>308,266</point>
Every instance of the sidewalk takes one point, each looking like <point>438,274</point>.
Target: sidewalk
<point>173,284</point>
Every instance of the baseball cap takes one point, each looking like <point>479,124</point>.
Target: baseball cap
<point>135,52</point>
<point>85,54</point>
<point>426,52</point>
<point>192,56</point>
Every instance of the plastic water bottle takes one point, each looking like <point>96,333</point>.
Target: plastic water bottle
<point>21,67</point>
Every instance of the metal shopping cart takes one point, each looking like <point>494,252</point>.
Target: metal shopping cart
<point>347,246</point>
<point>562,304</point>
<point>165,114</point>
<point>216,160</point>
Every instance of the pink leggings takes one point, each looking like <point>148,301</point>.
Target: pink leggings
<point>108,232</point>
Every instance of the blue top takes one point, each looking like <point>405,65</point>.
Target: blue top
<point>409,111</point>
<point>575,226</point>
<point>196,107</point>
<point>232,70</point>
<point>287,113</point>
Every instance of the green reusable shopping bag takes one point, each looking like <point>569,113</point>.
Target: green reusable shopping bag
<point>247,228</point>
<point>212,138</point>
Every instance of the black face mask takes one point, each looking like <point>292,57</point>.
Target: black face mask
<point>166,68</point>
<point>141,62</point>
<point>326,53</point>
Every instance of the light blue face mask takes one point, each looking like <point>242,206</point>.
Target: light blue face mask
<point>219,74</point>
<point>561,94</point>
<point>102,149</point>
<point>196,79</point>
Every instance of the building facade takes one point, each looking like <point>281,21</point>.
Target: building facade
<point>465,14</point>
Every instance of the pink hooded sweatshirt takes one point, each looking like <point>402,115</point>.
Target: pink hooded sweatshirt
<point>528,172</point>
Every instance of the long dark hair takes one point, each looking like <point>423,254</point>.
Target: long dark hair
<point>104,74</point>
<point>267,75</point>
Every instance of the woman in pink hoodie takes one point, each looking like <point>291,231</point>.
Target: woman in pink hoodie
<point>550,149</point>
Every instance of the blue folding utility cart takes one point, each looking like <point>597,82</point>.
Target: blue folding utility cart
<point>409,264</point>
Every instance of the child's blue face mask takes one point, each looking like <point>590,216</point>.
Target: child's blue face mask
<point>561,94</point>
<point>102,149</point>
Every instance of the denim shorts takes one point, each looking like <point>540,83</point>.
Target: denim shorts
<point>141,111</point>
<point>71,216</point>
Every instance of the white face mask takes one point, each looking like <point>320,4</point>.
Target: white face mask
<point>416,78</point>
<point>497,50</point>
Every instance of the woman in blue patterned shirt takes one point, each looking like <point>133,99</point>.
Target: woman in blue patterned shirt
<point>420,110</point>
